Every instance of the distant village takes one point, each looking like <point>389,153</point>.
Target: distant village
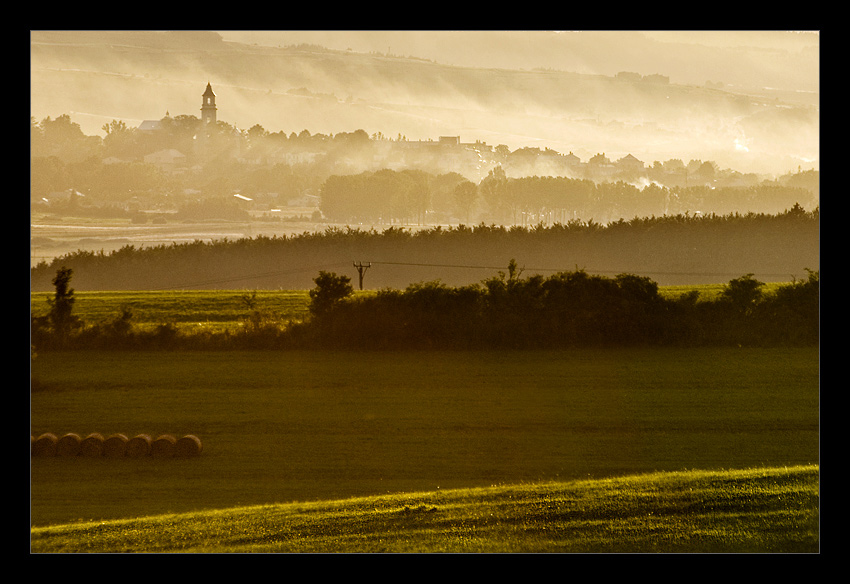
<point>187,151</point>
<point>446,154</point>
<point>450,154</point>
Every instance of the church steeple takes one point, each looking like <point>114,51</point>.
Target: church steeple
<point>208,108</point>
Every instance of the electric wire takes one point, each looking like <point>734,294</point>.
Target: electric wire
<point>248,277</point>
<point>590,270</point>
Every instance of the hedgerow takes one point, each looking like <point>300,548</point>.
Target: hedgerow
<point>567,309</point>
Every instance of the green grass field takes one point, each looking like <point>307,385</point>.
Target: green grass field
<point>757,511</point>
<point>282,427</point>
<point>188,309</point>
<point>350,451</point>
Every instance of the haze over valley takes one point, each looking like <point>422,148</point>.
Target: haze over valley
<point>424,291</point>
<point>750,104</point>
<point>711,122</point>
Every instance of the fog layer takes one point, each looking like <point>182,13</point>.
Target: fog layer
<point>747,101</point>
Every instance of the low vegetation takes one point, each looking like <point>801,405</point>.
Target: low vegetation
<point>757,510</point>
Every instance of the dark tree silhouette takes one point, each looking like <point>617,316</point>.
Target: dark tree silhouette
<point>330,289</point>
<point>62,304</point>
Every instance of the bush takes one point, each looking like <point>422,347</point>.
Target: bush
<point>329,291</point>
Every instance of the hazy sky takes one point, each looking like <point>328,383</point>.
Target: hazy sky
<point>685,56</point>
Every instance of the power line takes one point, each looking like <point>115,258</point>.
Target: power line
<point>657,273</point>
<point>362,268</point>
<point>250,277</point>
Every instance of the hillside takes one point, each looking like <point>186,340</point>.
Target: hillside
<point>772,510</point>
<point>134,75</point>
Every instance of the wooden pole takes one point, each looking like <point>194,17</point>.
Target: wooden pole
<point>361,269</point>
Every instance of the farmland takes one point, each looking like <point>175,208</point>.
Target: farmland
<point>187,309</point>
<point>356,431</point>
<point>754,510</point>
<point>643,377</point>
<point>289,426</point>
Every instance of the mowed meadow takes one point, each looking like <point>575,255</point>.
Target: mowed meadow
<point>297,426</point>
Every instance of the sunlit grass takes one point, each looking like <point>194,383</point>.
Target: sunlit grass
<point>190,310</point>
<point>709,292</point>
<point>754,510</point>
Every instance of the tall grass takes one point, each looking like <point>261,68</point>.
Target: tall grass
<point>753,511</point>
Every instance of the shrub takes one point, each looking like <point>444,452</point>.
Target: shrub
<point>329,291</point>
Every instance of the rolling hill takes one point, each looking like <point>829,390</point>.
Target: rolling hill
<point>770,510</point>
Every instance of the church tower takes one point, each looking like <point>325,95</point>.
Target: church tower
<point>208,107</point>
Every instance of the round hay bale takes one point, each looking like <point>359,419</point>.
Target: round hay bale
<point>115,446</point>
<point>68,445</point>
<point>139,446</point>
<point>188,445</point>
<point>163,446</point>
<point>45,445</point>
<point>92,446</point>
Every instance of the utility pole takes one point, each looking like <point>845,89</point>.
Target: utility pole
<point>361,269</point>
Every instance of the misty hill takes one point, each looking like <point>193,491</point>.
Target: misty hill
<point>133,75</point>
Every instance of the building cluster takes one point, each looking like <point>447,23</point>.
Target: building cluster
<point>445,154</point>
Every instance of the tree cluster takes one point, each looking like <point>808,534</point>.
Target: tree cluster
<point>569,309</point>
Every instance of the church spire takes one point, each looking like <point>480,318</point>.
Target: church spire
<point>208,108</point>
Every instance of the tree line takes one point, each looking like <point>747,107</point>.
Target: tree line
<point>676,249</point>
<point>415,196</point>
<point>567,309</point>
<point>506,311</point>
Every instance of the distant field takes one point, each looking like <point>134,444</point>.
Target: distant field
<point>211,309</point>
<point>307,426</point>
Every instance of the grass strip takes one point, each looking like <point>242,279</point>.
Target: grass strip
<point>758,510</point>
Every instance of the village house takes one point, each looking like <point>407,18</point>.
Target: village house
<point>630,164</point>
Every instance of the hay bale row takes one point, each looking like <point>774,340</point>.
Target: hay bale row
<point>115,446</point>
<point>44,445</point>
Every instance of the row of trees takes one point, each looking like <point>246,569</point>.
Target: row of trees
<point>408,196</point>
<point>688,248</point>
<point>567,309</point>
<point>397,197</point>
